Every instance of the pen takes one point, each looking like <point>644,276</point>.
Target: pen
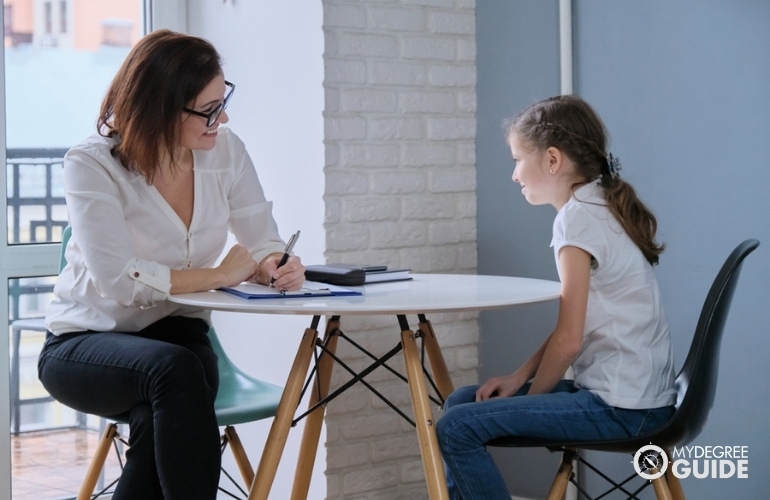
<point>286,251</point>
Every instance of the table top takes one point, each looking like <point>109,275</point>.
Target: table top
<point>425,293</point>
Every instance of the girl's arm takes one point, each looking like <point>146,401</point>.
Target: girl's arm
<point>508,385</point>
<point>560,349</point>
<point>566,341</point>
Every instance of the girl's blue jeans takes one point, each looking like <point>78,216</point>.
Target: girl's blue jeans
<point>567,413</point>
<point>165,380</point>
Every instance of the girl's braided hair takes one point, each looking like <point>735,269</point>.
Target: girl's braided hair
<point>569,124</point>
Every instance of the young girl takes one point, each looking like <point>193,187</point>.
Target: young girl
<point>611,328</point>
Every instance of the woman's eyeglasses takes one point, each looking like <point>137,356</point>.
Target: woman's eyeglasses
<point>212,116</point>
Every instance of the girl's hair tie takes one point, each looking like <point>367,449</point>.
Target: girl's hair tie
<point>613,165</point>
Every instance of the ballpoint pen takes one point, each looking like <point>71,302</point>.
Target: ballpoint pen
<point>286,251</point>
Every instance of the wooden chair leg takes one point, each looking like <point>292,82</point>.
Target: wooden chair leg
<point>239,454</point>
<point>674,485</point>
<point>563,475</point>
<point>97,463</point>
<point>661,488</point>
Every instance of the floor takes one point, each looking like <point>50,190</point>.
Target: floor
<point>49,465</point>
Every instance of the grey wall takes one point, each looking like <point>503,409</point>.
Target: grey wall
<point>684,89</point>
<point>518,63</point>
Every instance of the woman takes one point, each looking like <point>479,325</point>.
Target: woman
<point>150,200</point>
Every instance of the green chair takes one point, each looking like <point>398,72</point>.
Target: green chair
<point>241,398</point>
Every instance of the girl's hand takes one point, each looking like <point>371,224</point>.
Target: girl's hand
<point>500,387</point>
<point>289,276</point>
<point>237,266</point>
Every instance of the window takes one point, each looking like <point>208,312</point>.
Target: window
<point>55,79</point>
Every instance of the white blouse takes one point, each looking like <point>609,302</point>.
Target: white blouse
<point>627,358</point>
<point>126,238</point>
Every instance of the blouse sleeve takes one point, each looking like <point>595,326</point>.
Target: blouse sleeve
<point>99,227</point>
<point>575,226</point>
<point>251,215</point>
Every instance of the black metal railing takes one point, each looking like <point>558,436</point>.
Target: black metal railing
<point>36,213</point>
<point>31,206</point>
<point>28,189</point>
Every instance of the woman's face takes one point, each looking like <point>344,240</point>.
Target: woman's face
<point>194,132</point>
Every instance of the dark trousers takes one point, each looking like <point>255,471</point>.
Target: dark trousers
<point>164,380</point>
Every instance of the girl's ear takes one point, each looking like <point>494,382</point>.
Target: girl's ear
<point>554,157</point>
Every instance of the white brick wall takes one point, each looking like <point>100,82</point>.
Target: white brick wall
<point>400,189</point>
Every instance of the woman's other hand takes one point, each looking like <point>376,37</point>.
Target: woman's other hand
<point>237,266</point>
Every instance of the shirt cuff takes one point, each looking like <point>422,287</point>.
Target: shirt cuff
<point>154,285</point>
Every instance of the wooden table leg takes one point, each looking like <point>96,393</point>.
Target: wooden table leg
<point>314,421</point>
<point>279,430</point>
<point>423,416</point>
<point>436,359</point>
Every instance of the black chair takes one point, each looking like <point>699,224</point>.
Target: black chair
<point>696,386</point>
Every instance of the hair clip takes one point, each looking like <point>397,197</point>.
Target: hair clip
<point>613,165</point>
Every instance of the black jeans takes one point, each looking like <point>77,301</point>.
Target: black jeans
<point>164,379</point>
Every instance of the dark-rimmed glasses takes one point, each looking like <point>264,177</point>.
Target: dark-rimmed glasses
<point>212,116</point>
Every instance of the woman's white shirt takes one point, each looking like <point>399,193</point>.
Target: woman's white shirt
<point>627,357</point>
<point>126,238</point>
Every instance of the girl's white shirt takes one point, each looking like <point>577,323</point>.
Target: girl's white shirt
<point>627,357</point>
<point>126,238</point>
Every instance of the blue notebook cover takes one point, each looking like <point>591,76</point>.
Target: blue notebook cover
<point>310,289</point>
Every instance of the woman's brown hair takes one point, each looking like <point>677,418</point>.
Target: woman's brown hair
<point>569,124</point>
<point>163,73</point>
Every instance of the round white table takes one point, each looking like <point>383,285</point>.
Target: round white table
<point>425,293</point>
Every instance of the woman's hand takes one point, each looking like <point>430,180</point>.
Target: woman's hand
<point>289,276</point>
<point>237,266</point>
<point>500,387</point>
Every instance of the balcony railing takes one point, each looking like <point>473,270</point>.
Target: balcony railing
<point>36,213</point>
<point>36,208</point>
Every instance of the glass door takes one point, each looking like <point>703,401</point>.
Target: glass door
<point>59,57</point>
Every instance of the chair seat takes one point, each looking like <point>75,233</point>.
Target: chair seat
<point>619,445</point>
<point>671,434</point>
<point>244,399</point>
<point>240,399</point>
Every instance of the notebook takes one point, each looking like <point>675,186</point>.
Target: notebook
<point>353,275</point>
<point>309,289</point>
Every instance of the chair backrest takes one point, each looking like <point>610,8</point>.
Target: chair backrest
<point>697,381</point>
<point>65,237</point>
<point>228,372</point>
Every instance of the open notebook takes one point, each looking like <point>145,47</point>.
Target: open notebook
<point>309,289</point>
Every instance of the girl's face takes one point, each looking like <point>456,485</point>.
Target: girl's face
<point>194,133</point>
<point>531,172</point>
